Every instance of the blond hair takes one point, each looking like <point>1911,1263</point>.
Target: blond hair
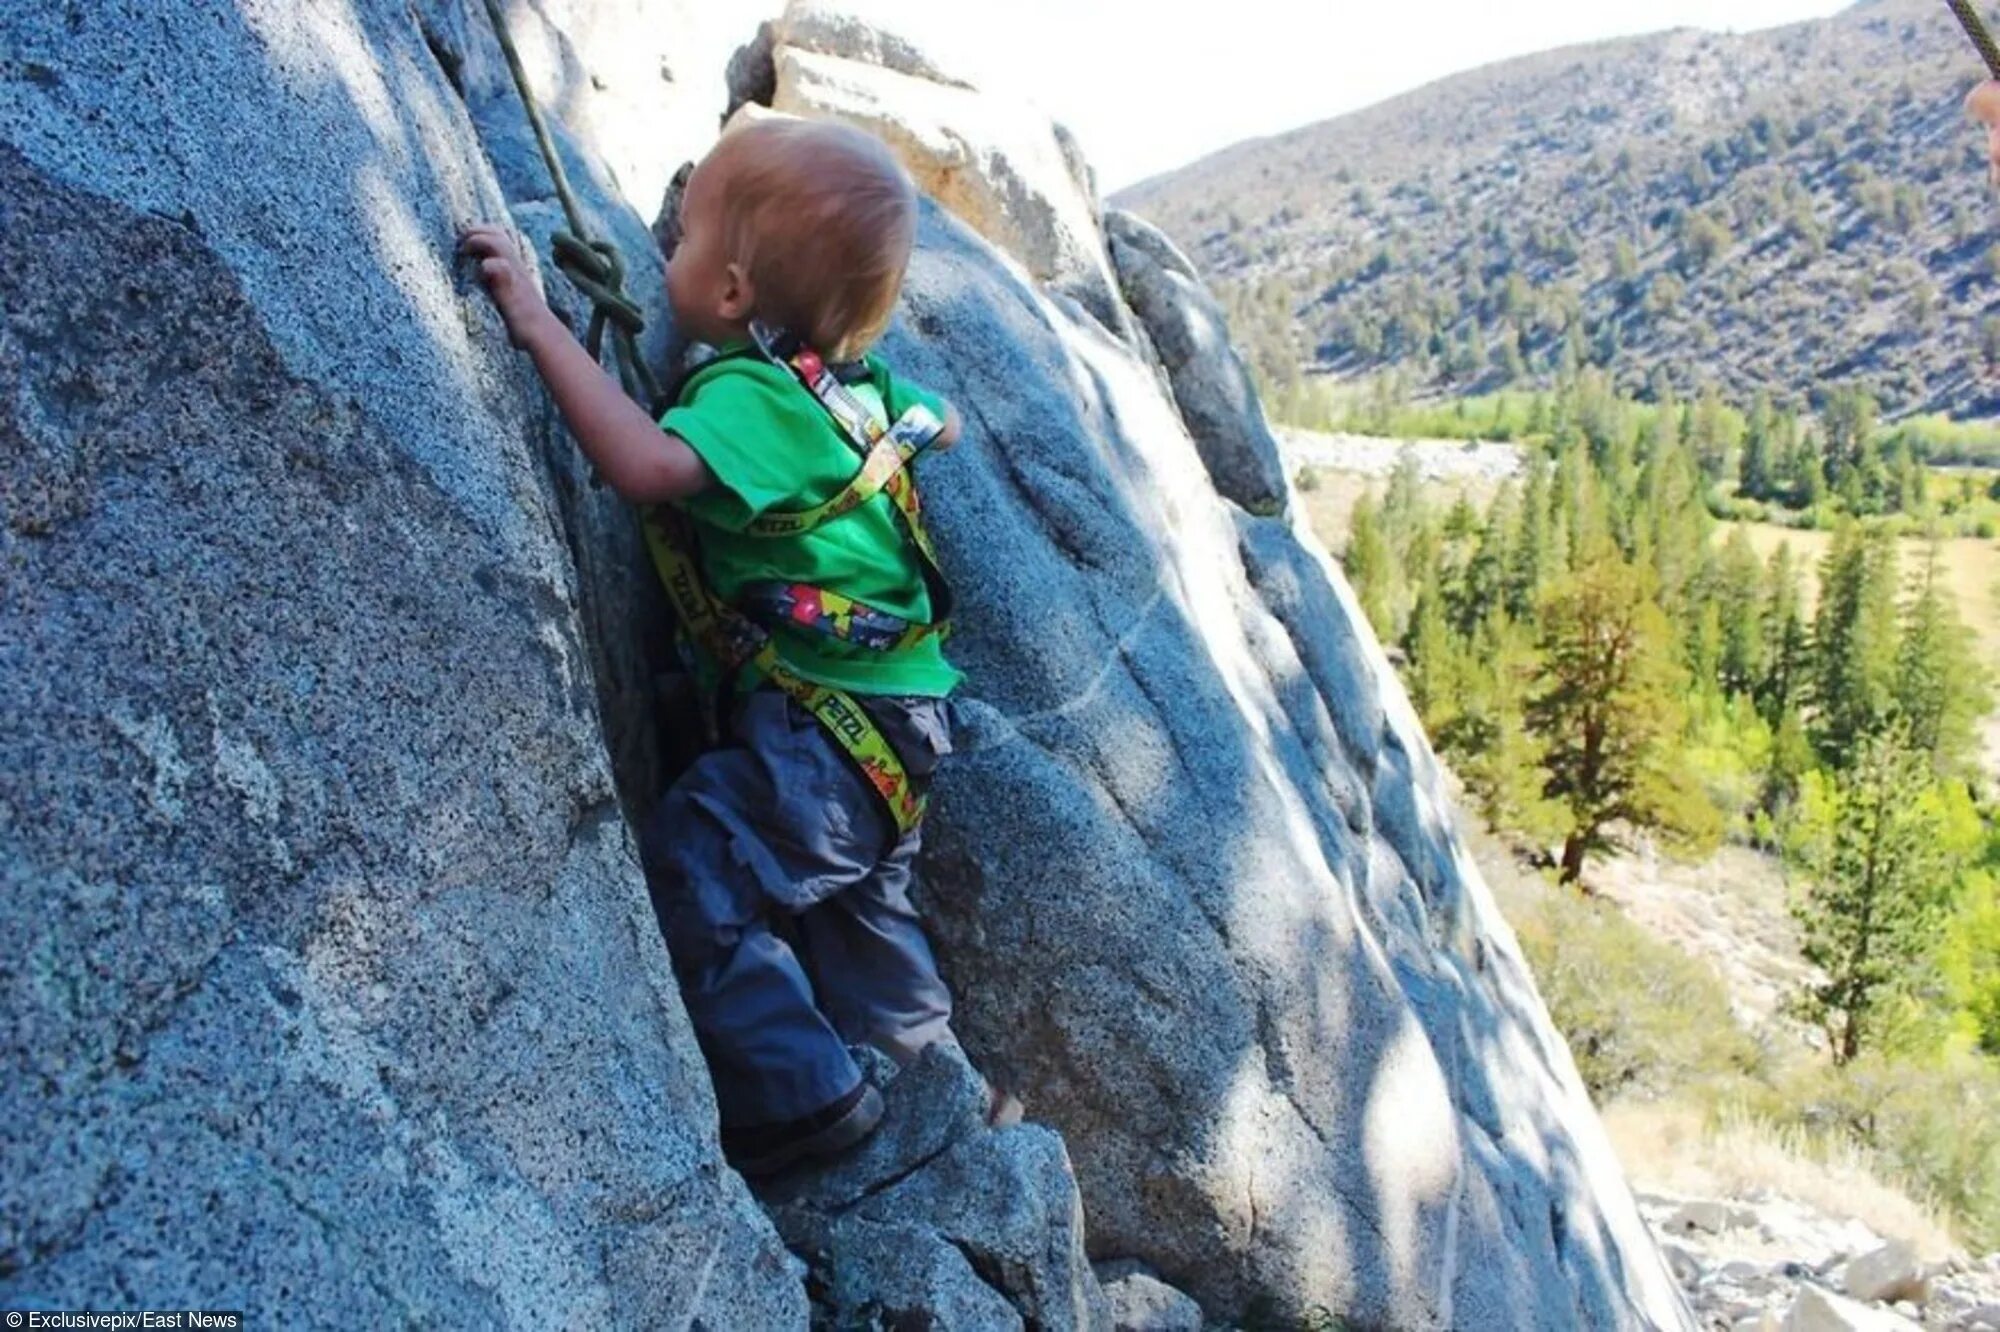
<point>822,218</point>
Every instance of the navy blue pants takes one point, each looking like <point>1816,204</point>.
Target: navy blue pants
<point>784,897</point>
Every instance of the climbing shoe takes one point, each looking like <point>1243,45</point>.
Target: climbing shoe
<point>769,1148</point>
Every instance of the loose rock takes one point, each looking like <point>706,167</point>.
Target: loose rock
<point>1820,1310</point>
<point>1140,1302</point>
<point>1886,1274</point>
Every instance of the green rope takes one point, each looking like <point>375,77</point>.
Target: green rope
<point>592,266</point>
<point>1968,18</point>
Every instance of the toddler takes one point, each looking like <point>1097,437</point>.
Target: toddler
<point>780,862</point>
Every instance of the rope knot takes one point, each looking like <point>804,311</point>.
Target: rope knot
<point>594,267</point>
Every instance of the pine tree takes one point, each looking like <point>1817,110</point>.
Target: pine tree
<point>1738,593</point>
<point>1848,420</point>
<point>1810,489</point>
<point>1674,519</point>
<point>1606,708</point>
<point>1370,563</point>
<point>1529,566</point>
<point>1431,675</point>
<point>1854,643</point>
<point>1538,414</point>
<point>1513,366</point>
<point>1403,506</point>
<point>1663,432</point>
<point>1491,745</point>
<point>1970,957</point>
<point>1482,588</point>
<point>1790,760</point>
<point>1712,433</point>
<point>1581,530</point>
<point>1754,472</point>
<point>1941,688</point>
<point>1881,885</point>
<point>1786,661</point>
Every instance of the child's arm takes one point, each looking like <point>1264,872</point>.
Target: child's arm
<point>952,425</point>
<point>642,462</point>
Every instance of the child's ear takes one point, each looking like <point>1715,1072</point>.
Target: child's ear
<point>738,296</point>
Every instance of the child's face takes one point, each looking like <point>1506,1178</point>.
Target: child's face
<point>709,294</point>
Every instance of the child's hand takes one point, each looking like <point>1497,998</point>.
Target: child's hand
<point>504,271</point>
<point>1984,106</point>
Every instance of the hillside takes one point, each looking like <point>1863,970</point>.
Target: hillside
<point>1773,211</point>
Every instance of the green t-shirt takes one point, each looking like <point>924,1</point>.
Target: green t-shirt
<point>772,446</point>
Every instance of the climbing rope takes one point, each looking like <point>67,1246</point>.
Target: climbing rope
<point>592,266</point>
<point>1975,28</point>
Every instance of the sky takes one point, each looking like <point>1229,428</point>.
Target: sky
<point>1147,87</point>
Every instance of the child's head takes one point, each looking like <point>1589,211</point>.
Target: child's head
<point>804,224</point>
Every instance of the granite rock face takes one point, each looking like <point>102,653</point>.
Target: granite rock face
<point>1210,383</point>
<point>325,680</point>
<point>938,1217</point>
<point>1194,881</point>
<point>334,993</point>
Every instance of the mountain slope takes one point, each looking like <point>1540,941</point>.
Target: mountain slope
<point>1768,211</point>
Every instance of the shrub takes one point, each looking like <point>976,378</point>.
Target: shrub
<point>1686,1147</point>
<point>1641,1017</point>
<point>1935,1122</point>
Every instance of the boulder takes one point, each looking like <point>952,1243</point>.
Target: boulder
<point>1193,878</point>
<point>886,1275</point>
<point>1210,383</point>
<point>1683,1262</point>
<point>337,997</point>
<point>1817,1309</point>
<point>1140,1302</point>
<point>1008,1200</point>
<point>927,1109</point>
<point>1886,1275</point>
<point>831,28</point>
<point>750,76</point>
<point>939,1217</point>
<point>1000,165</point>
<point>1961,1292</point>
<point>1708,1217</point>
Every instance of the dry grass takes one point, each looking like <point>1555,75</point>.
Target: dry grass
<point>1674,1147</point>
<point>1331,503</point>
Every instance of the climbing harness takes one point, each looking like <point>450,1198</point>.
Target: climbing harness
<point>738,638</point>
<point>887,453</point>
<point>1975,28</point>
